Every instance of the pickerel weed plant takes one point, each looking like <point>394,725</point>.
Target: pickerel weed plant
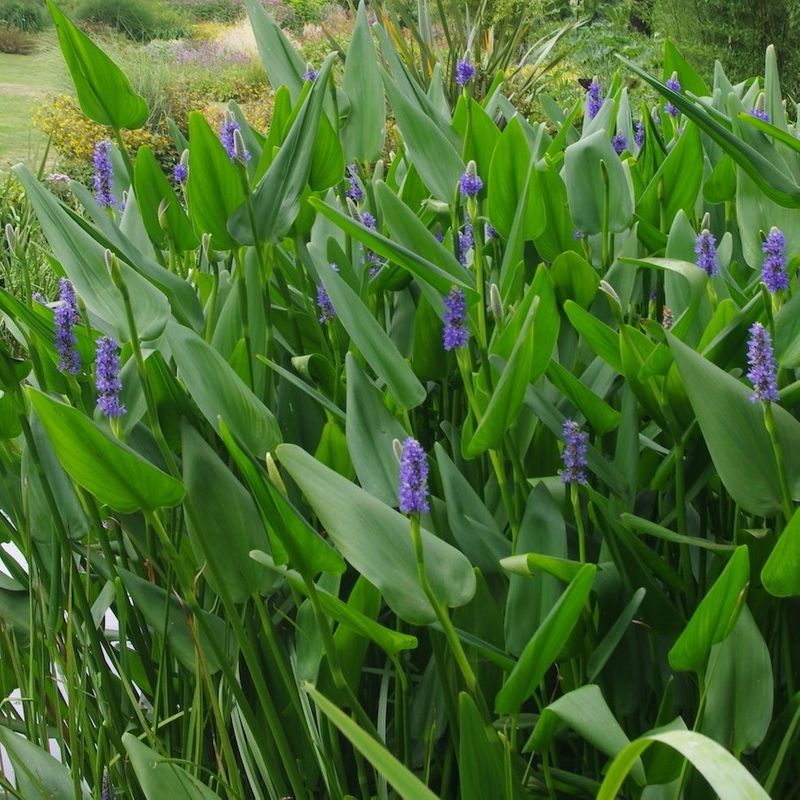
<point>472,473</point>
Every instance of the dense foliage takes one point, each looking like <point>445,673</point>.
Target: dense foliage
<point>470,472</point>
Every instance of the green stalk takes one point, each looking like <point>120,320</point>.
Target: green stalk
<point>786,494</point>
<point>576,509</point>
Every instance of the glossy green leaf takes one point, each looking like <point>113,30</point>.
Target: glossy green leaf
<point>214,189</point>
<point>110,470</point>
<point>726,776</point>
<point>604,650</point>
<point>104,92</point>
<point>781,573</point>
<point>282,62</point>
<point>603,340</point>
<point>406,784</point>
<point>363,132</point>
<point>714,617</point>
<point>546,644</point>
<point>83,259</point>
<point>431,152</point>
<point>574,278</point>
<point>376,540</point>
<point>601,417</point>
<point>222,520</point>
<point>722,404</point>
<point>167,616</point>
<point>152,189</point>
<point>379,350</point>
<point>509,394</point>
<point>160,777</point>
<point>595,181</point>
<point>290,535</point>
<point>585,711</point>
<point>276,199</point>
<point>220,392</point>
<point>481,760</point>
<point>38,775</point>
<point>739,688</point>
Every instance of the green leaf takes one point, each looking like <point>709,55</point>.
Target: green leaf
<point>481,758</point>
<point>437,161</point>
<point>587,713</point>
<point>589,165</point>
<point>370,431</point>
<point>509,395</point>
<point>376,540</point>
<point>159,777</point>
<point>407,784</point>
<point>104,93</point>
<point>214,189</point>
<point>722,404</point>
<point>601,417</point>
<point>371,339</point>
<point>532,563</point>
<point>604,650</point>
<point>508,178</point>
<point>726,776</point>
<point>603,340</point>
<point>108,469</point>
<point>276,199</point>
<point>222,520</point>
<point>38,775</point>
<point>363,131</point>
<point>83,259</point>
<point>781,574</point>
<point>574,278</point>
<point>473,527</point>
<point>220,392</point>
<point>167,616</point>
<point>714,617</point>
<point>282,62</point>
<point>152,189</point>
<point>546,644</point>
<point>739,688</point>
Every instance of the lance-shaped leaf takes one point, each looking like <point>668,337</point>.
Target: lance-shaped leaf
<point>108,469</point>
<point>104,92</point>
<point>276,199</point>
<point>376,540</point>
<point>363,132</point>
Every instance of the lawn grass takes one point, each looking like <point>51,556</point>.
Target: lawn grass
<point>24,82</point>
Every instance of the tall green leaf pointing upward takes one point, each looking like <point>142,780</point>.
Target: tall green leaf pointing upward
<point>104,93</point>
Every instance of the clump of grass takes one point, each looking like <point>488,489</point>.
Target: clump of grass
<point>16,41</point>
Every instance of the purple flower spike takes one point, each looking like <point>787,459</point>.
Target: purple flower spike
<point>470,183</point>
<point>103,174</point>
<point>465,72</point>
<point>354,190</point>
<point>413,490</point>
<point>705,248</point>
<point>66,317</point>
<point>326,310</point>
<point>763,372</point>
<point>107,378</point>
<point>576,234</point>
<point>490,232</point>
<point>574,453</point>
<point>773,269</point>
<point>638,136</point>
<point>466,241</point>
<point>180,172</point>
<point>619,143</point>
<point>368,220</point>
<point>230,134</point>
<point>456,333</point>
<point>310,74</point>
<point>674,84</point>
<point>594,98</point>
<point>759,113</point>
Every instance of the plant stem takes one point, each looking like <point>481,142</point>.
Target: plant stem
<point>786,494</point>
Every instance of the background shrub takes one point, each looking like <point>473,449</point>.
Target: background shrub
<point>25,15</point>
<point>142,20</point>
<point>16,41</point>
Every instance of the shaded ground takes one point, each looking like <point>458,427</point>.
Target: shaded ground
<point>24,82</point>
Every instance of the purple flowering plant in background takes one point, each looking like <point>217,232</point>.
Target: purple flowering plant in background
<point>594,98</point>
<point>465,72</point>
<point>773,269</point>
<point>413,482</point>
<point>762,371</point>
<point>470,183</point>
<point>455,333</point>
<point>66,317</point>
<point>674,84</point>
<point>619,143</point>
<point>107,377</point>
<point>705,248</point>
<point>103,174</point>
<point>573,455</point>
